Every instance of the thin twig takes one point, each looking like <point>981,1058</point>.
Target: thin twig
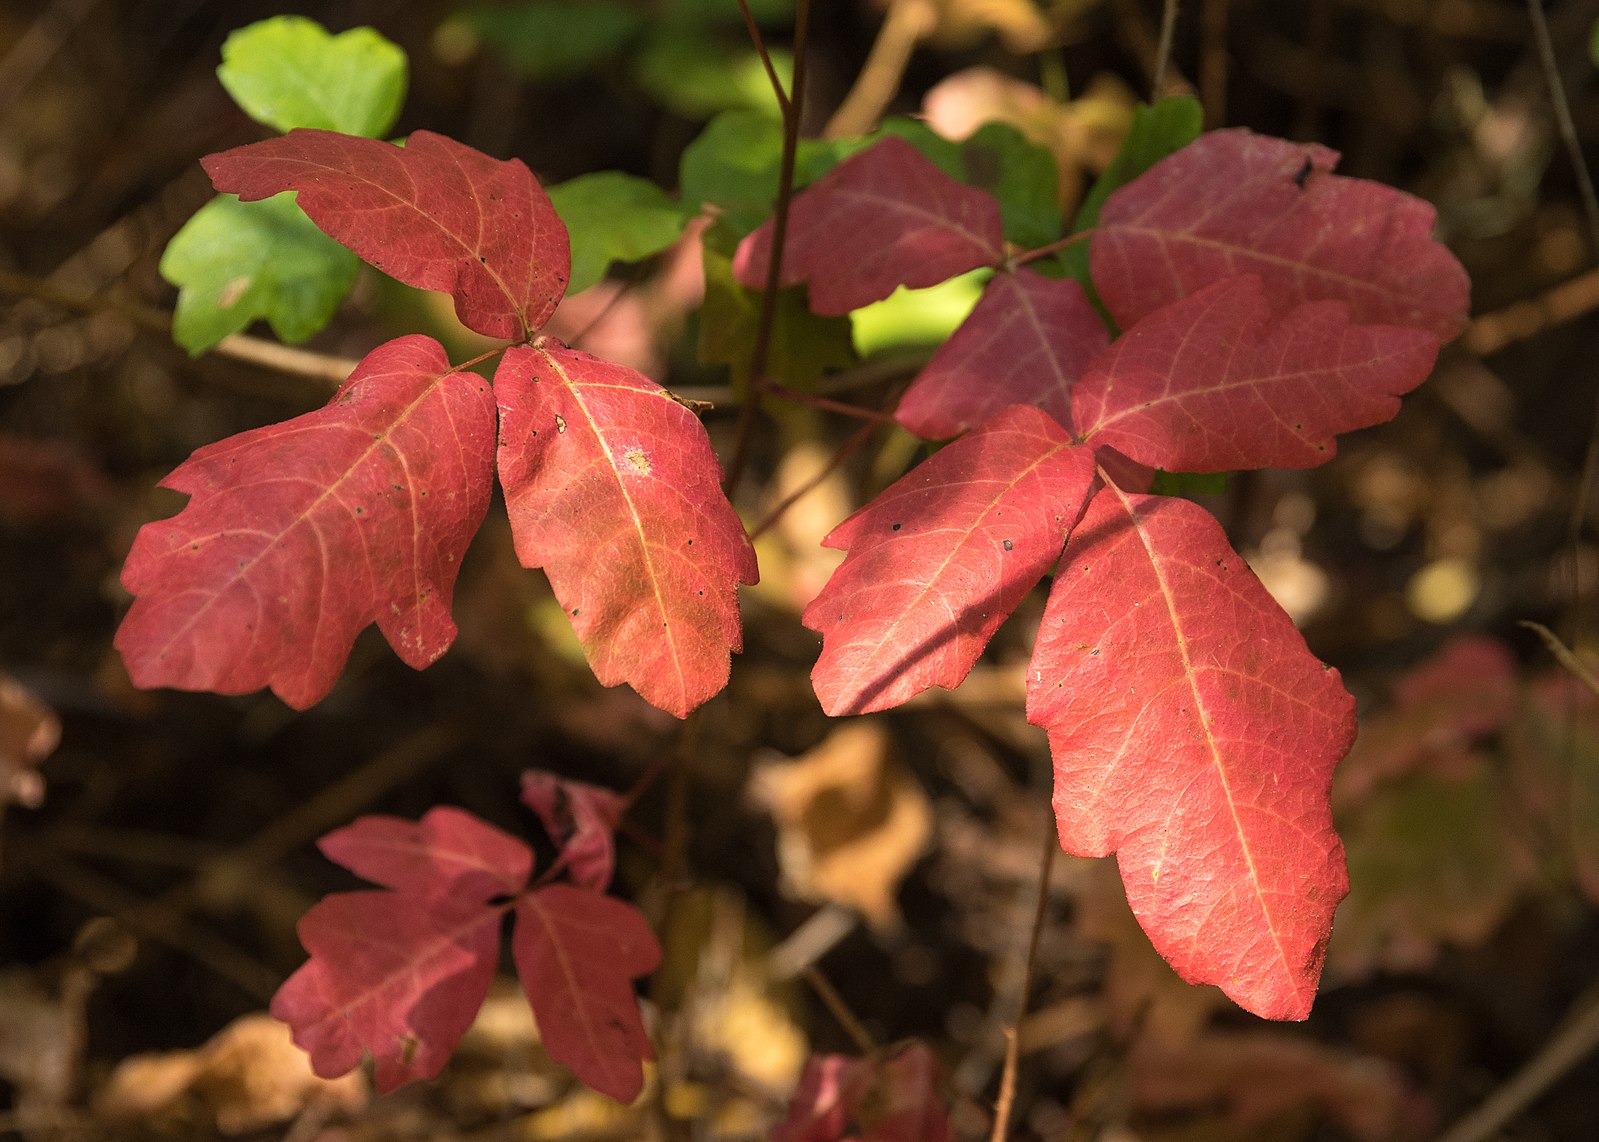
<point>792,110</point>
<point>834,1002</point>
<point>850,447</point>
<point>1168,30</point>
<point>1563,655</point>
<point>783,392</point>
<point>759,41</point>
<point>1571,1044</point>
<point>269,354</point>
<point>1562,109</point>
<point>1054,247</point>
<point>1007,1079</point>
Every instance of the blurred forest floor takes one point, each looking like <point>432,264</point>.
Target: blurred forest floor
<point>153,865</point>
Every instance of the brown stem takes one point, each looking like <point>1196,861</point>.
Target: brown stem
<point>1168,30</point>
<point>1007,1080</point>
<point>851,446</point>
<point>792,107</point>
<point>783,392</point>
<point>1054,247</point>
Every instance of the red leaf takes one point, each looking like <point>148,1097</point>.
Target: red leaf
<point>1028,339</point>
<point>396,976</point>
<point>822,1108</point>
<point>613,489</point>
<point>300,534</point>
<point>578,953</point>
<point>1210,384</point>
<point>448,852</point>
<point>883,218</point>
<point>435,214</point>
<point>581,819</point>
<point>840,1099</point>
<point>939,560</point>
<point>1195,736</point>
<point>1234,202</point>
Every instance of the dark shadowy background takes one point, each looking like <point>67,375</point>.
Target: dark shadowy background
<point>149,899</point>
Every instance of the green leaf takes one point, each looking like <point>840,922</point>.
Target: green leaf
<point>615,217</point>
<point>1022,175</point>
<point>697,75</point>
<point>910,318</point>
<point>234,262</point>
<point>1189,483</point>
<point>288,72</point>
<point>734,164</point>
<point>1157,131</point>
<point>548,40</point>
<point>803,346</point>
<point>998,158</point>
<point>1432,860</point>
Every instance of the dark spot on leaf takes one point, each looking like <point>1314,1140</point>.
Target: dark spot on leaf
<point>1304,173</point>
<point>360,510</point>
<point>194,547</point>
<point>1009,546</point>
<point>897,526</point>
<point>576,611</point>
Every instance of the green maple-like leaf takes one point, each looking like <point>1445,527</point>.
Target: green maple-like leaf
<point>288,72</point>
<point>615,217</point>
<point>235,262</point>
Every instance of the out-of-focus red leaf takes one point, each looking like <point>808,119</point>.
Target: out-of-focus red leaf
<point>939,559</point>
<point>448,852</point>
<point>43,479</point>
<point>1264,1078</point>
<point>578,953</point>
<point>883,218</point>
<point>1434,859</point>
<point>1209,383</point>
<point>1195,736</point>
<point>393,975</point>
<point>1235,202</point>
<point>1027,341</point>
<point>840,1099</point>
<point>299,534</point>
<point>1553,750</point>
<point>435,214</point>
<point>581,819</point>
<point>820,1109</point>
<point>613,489</point>
<point>1464,692</point>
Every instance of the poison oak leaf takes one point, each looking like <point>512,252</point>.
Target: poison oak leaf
<point>581,819</point>
<point>1234,202</point>
<point>1210,383</point>
<point>395,975</point>
<point>896,1099</point>
<point>578,953</point>
<point>885,217</point>
<point>613,489</point>
<point>1194,736</point>
<point>1027,341</point>
<point>435,214</point>
<point>449,851</point>
<point>299,534</point>
<point>939,559</point>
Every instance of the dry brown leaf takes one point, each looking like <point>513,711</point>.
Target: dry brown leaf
<point>29,733</point>
<point>850,819</point>
<point>248,1076</point>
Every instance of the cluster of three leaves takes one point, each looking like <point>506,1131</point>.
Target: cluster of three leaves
<point>299,535</point>
<point>1267,305</point>
<point>399,973</point>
